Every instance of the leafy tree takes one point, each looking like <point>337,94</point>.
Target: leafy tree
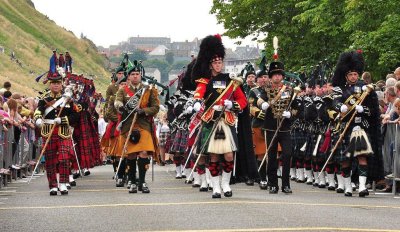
<point>312,30</point>
<point>138,55</point>
<point>169,57</point>
<point>162,65</point>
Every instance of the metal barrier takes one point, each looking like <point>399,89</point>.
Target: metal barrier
<point>17,157</point>
<point>396,158</point>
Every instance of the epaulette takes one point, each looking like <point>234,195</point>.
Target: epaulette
<point>203,80</point>
<point>45,94</point>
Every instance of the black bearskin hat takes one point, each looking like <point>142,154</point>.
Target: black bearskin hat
<point>211,49</point>
<point>348,62</point>
<point>276,67</point>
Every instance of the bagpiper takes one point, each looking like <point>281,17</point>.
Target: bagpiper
<point>109,140</point>
<point>223,99</point>
<point>359,118</point>
<point>138,104</point>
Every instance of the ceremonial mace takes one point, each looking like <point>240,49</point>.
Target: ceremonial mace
<point>360,101</point>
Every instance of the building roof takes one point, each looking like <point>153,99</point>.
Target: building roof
<point>160,50</point>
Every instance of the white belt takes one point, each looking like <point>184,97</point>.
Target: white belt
<point>219,108</point>
<point>49,121</point>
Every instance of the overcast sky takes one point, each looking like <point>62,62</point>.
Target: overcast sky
<point>108,22</point>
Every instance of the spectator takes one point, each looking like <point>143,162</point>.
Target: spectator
<point>390,82</point>
<point>366,76</point>
<point>390,75</point>
<point>397,73</point>
<point>380,85</point>
<point>397,88</point>
<point>6,87</point>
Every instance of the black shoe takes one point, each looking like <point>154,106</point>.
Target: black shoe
<point>250,182</point>
<point>228,194</point>
<point>86,173</point>
<point>76,175</point>
<point>286,190</point>
<point>120,183</point>
<point>195,185</point>
<point>273,190</point>
<point>321,186</point>
<point>133,188</point>
<point>216,195</point>
<point>339,190</point>
<point>73,183</point>
<point>210,188</point>
<point>348,194</point>
<point>205,189</point>
<point>188,182</point>
<point>309,183</point>
<point>143,188</point>
<point>53,192</point>
<point>183,176</point>
<point>68,186</point>
<point>331,188</point>
<point>363,193</point>
<point>263,185</point>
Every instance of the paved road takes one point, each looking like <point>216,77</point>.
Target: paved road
<point>97,205</point>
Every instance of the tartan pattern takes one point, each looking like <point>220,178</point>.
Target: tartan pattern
<point>227,166</point>
<point>162,139</point>
<point>168,142</point>
<point>310,145</point>
<point>87,141</point>
<point>298,139</point>
<point>180,141</point>
<point>57,154</point>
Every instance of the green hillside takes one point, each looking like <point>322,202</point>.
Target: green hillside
<point>32,36</point>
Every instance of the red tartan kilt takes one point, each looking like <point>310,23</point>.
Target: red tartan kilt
<point>62,148</point>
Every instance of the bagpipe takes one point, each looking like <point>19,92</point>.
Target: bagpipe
<point>127,64</point>
<point>319,74</point>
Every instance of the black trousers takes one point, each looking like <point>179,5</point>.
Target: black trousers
<point>284,139</point>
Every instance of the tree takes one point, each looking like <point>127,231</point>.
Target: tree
<point>169,57</point>
<point>161,65</point>
<point>138,55</point>
<point>313,30</point>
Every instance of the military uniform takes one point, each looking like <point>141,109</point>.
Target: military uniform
<point>59,150</point>
<point>257,122</point>
<point>223,99</point>
<point>276,100</point>
<point>357,100</point>
<point>142,138</point>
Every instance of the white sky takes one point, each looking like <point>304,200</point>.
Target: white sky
<point>110,22</point>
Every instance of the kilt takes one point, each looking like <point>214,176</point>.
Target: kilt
<point>169,141</point>
<point>298,139</point>
<point>162,138</point>
<point>145,143</point>
<point>180,141</point>
<point>87,139</point>
<point>258,142</point>
<point>217,146</point>
<point>310,145</point>
<point>58,154</point>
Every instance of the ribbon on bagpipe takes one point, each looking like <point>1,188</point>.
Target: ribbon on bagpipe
<point>83,88</point>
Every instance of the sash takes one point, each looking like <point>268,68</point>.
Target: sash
<point>55,105</point>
